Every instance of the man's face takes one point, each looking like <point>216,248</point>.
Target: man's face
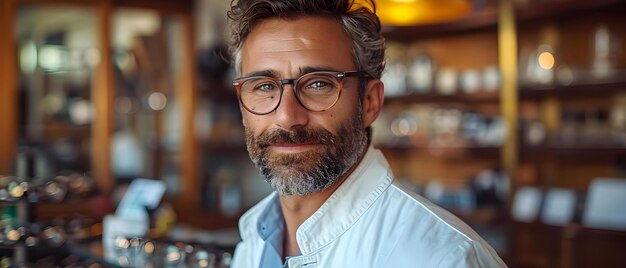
<point>301,151</point>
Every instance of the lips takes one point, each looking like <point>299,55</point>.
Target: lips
<point>292,148</point>
<point>295,144</point>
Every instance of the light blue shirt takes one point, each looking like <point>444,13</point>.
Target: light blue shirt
<point>271,228</point>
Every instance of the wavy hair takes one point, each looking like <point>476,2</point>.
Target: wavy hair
<point>357,18</point>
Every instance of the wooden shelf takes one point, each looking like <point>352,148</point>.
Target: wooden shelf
<point>451,152</point>
<point>563,9</point>
<point>598,89</point>
<point>57,129</point>
<point>591,153</point>
<point>540,245</point>
<point>486,18</point>
<point>478,97</point>
<point>95,206</point>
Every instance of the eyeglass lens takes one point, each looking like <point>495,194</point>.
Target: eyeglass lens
<point>315,91</point>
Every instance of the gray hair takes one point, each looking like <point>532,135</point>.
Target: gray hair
<point>359,21</point>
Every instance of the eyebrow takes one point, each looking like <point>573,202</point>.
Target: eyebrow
<point>310,69</point>
<point>268,73</point>
<point>303,70</point>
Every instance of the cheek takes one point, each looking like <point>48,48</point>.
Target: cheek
<point>253,123</point>
<point>333,121</point>
<point>248,122</point>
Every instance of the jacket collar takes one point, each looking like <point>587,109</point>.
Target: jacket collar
<point>346,205</point>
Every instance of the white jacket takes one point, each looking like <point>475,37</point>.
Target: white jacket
<point>372,221</point>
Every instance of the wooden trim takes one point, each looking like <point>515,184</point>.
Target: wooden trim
<point>555,10</point>
<point>162,6</point>
<point>183,7</point>
<point>551,115</point>
<point>187,94</point>
<point>507,43</point>
<point>61,2</point>
<point>102,95</point>
<point>8,86</point>
<point>486,18</point>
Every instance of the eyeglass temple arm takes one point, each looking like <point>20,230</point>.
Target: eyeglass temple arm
<point>354,74</point>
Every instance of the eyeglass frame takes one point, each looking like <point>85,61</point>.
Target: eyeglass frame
<point>294,81</point>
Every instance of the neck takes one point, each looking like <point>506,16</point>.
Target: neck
<point>298,208</point>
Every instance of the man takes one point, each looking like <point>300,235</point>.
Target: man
<point>309,91</point>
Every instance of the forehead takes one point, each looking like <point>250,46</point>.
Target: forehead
<point>286,46</point>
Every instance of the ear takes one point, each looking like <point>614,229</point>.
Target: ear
<point>373,98</point>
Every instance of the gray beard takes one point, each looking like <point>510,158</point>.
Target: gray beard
<point>311,171</point>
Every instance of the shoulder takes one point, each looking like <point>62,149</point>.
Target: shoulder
<point>419,210</point>
<point>471,254</point>
<point>426,232</point>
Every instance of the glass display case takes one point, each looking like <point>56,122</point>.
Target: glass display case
<point>102,89</point>
<point>56,63</point>
<point>146,141</point>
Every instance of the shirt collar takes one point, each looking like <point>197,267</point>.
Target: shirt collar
<point>351,199</point>
<point>346,205</point>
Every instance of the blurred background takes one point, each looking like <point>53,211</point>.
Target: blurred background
<point>511,114</point>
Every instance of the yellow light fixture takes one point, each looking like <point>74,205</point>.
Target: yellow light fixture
<point>414,12</point>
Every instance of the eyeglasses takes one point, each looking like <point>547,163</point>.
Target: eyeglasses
<point>315,91</point>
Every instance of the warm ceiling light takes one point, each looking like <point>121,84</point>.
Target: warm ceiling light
<point>413,12</point>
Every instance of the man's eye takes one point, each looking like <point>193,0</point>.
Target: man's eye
<point>265,87</point>
<point>318,84</point>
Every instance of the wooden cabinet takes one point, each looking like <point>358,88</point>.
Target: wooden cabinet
<point>164,89</point>
<point>571,119</point>
<point>452,52</point>
<point>157,110</point>
<point>560,97</point>
<point>579,107</point>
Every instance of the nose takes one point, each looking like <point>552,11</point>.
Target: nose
<point>290,114</point>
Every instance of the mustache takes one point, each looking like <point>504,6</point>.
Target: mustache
<point>303,135</point>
